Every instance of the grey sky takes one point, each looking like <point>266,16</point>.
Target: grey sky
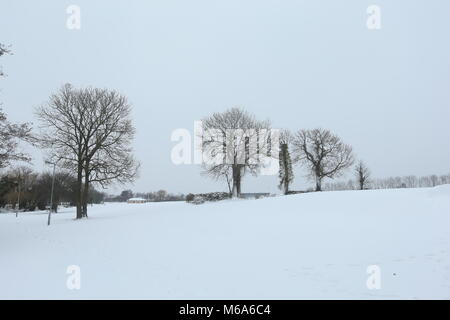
<point>302,64</point>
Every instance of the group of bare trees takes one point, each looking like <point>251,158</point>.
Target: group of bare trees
<point>86,131</point>
<point>228,136</point>
<point>22,188</point>
<point>89,132</point>
<point>410,181</point>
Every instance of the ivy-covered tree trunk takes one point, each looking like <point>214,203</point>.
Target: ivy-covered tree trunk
<point>286,173</point>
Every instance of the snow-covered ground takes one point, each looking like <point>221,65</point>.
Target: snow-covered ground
<point>315,245</point>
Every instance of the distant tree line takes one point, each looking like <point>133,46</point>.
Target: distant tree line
<point>410,181</point>
<point>23,189</point>
<point>157,196</point>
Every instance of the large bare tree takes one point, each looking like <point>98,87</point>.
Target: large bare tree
<point>108,135</point>
<point>234,143</point>
<point>323,154</point>
<point>61,124</point>
<point>89,131</point>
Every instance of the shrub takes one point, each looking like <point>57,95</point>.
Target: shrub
<point>198,200</point>
<point>211,196</point>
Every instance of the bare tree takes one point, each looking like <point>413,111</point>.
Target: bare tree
<point>23,178</point>
<point>362,174</point>
<point>62,123</point>
<point>234,142</point>
<point>323,154</point>
<point>161,195</point>
<point>3,50</point>
<point>11,134</point>
<point>90,132</point>
<point>108,135</point>
<point>445,179</point>
<point>434,180</point>
<point>424,182</point>
<point>410,181</point>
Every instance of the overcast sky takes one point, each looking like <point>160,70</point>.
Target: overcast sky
<point>301,64</point>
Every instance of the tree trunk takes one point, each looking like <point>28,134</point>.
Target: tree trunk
<point>284,156</point>
<point>238,184</point>
<point>86,189</point>
<point>319,184</point>
<point>286,187</point>
<point>229,186</point>
<point>79,194</point>
<point>236,192</point>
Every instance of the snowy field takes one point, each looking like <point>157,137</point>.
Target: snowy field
<point>311,246</point>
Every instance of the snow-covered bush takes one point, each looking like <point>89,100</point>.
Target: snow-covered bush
<point>198,200</point>
<point>203,197</point>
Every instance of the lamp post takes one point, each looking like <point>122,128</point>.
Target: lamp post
<point>53,187</point>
